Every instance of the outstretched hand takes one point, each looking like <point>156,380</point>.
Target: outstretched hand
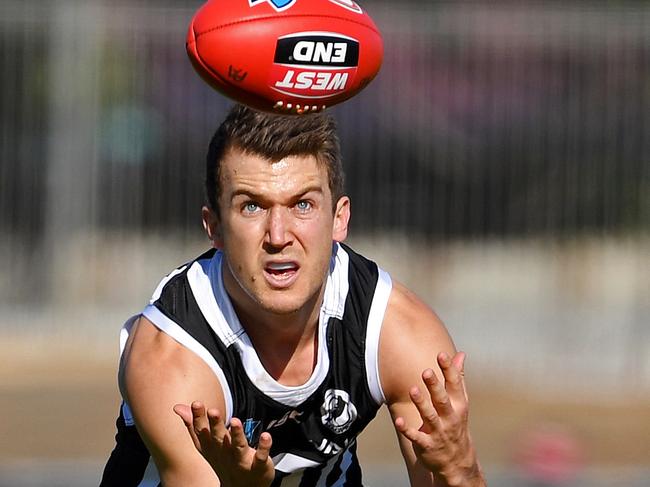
<point>226,449</point>
<point>442,442</point>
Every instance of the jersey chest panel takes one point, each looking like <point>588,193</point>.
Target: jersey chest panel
<point>326,422</point>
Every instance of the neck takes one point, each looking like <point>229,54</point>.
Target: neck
<point>286,343</point>
<point>271,330</point>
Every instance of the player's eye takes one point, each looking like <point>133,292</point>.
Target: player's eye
<point>303,206</point>
<point>251,207</point>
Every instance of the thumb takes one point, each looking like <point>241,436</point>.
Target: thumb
<point>185,412</point>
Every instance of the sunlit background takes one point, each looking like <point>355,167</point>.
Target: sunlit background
<point>499,165</point>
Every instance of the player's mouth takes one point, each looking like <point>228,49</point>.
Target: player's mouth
<point>281,274</point>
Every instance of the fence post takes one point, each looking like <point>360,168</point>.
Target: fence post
<point>75,46</point>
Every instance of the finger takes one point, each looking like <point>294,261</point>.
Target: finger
<point>430,418</point>
<point>459,362</point>
<point>438,394</point>
<point>454,383</point>
<point>218,429</point>
<point>411,434</point>
<point>185,412</point>
<point>238,438</point>
<point>263,451</point>
<point>200,421</point>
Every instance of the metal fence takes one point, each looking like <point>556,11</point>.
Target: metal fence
<point>499,165</point>
<point>486,120</point>
<point>506,122</point>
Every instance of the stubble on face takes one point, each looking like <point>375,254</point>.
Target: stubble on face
<point>275,215</point>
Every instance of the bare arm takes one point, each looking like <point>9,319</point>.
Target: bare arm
<point>422,378</point>
<point>157,373</point>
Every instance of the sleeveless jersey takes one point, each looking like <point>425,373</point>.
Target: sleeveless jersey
<point>314,426</point>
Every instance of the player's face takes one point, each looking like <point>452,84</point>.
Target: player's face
<point>276,227</point>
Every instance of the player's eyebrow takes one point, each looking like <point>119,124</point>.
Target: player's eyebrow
<point>315,188</point>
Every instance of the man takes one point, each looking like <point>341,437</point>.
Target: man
<point>260,362</point>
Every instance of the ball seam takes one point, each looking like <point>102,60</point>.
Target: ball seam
<point>265,17</point>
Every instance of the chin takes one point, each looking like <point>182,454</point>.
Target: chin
<point>286,302</point>
<point>281,306</point>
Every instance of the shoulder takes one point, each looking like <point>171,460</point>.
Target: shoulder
<point>153,362</point>
<point>358,268</point>
<point>411,337</point>
<point>156,373</point>
<point>180,281</point>
<point>171,345</point>
<point>408,311</point>
<point>361,274</point>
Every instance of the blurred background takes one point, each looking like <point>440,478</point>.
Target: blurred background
<point>499,165</point>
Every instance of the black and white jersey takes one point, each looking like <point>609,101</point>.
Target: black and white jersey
<point>314,426</point>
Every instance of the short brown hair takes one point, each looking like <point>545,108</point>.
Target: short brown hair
<point>274,137</point>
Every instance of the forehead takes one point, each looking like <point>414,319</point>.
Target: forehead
<point>244,170</point>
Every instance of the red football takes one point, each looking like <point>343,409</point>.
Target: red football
<point>285,56</point>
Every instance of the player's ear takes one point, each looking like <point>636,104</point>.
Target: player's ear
<point>212,226</point>
<point>341,219</point>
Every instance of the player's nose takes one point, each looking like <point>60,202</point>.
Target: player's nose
<point>278,232</point>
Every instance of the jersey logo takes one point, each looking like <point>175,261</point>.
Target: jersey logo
<point>337,412</point>
<point>278,5</point>
<point>252,430</point>
<point>327,447</point>
<point>291,415</point>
